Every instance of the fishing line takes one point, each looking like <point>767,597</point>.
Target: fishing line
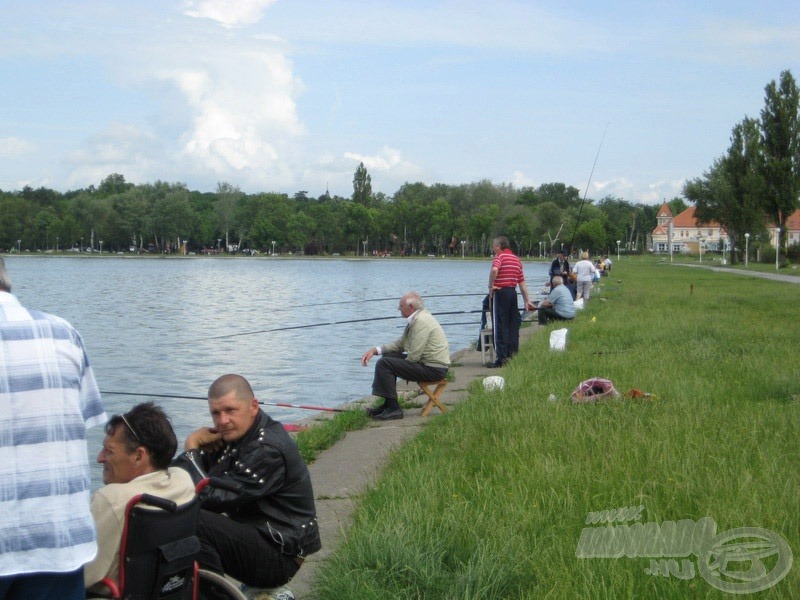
<point>392,298</point>
<point>281,404</point>
<point>580,210</point>
<point>345,322</point>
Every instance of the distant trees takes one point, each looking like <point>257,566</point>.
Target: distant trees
<point>418,219</point>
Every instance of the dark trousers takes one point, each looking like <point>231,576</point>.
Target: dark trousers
<point>548,313</point>
<point>392,365</point>
<point>506,322</point>
<point>43,586</point>
<point>242,552</point>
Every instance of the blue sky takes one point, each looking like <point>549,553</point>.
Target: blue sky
<point>290,95</point>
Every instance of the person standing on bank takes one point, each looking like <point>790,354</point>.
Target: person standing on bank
<point>261,533</point>
<point>420,354</point>
<point>585,271</point>
<point>48,400</point>
<point>560,266</point>
<point>504,277</point>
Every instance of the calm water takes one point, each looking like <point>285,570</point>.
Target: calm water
<point>172,326</point>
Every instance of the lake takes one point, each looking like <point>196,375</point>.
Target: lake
<point>172,325</point>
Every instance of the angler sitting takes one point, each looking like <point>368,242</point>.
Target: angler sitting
<point>559,304</point>
<point>420,354</point>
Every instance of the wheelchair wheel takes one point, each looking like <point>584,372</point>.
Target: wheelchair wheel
<point>212,586</point>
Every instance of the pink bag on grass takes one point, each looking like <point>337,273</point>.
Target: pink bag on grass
<point>593,390</point>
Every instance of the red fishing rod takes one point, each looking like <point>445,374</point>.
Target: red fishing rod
<point>281,404</point>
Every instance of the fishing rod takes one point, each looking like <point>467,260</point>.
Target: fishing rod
<point>580,210</point>
<point>281,404</point>
<point>392,298</point>
<point>345,322</point>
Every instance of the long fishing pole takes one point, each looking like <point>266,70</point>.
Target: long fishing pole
<point>281,404</point>
<point>586,191</point>
<point>391,298</point>
<point>345,322</point>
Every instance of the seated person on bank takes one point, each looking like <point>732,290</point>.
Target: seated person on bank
<point>137,450</point>
<point>269,525</point>
<point>559,304</point>
<point>420,354</point>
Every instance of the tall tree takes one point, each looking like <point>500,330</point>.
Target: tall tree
<point>780,130</point>
<point>228,197</point>
<point>733,190</point>
<point>362,186</point>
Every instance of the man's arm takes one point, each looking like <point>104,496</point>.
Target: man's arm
<point>259,471</point>
<point>109,533</point>
<point>524,289</point>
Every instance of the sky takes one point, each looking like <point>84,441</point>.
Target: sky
<point>620,98</point>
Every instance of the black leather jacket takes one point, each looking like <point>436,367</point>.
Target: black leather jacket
<point>275,493</point>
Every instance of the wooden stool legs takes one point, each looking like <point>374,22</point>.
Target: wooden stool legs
<point>433,395</point>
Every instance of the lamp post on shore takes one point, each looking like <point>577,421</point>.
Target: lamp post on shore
<point>746,248</point>
<point>273,247</point>
<point>463,243</point>
<point>19,246</point>
<point>101,246</point>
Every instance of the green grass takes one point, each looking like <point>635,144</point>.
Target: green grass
<point>490,500</point>
<point>326,433</point>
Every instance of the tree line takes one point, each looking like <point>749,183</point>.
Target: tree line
<point>755,185</point>
<point>418,219</point>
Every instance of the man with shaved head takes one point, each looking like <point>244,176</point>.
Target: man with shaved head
<point>261,533</point>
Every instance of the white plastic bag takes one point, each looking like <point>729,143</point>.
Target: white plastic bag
<point>579,304</point>
<point>494,383</point>
<point>558,339</point>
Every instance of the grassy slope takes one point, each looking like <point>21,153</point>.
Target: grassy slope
<point>490,500</point>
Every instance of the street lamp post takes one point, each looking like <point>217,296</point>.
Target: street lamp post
<point>700,248</point>
<point>101,246</point>
<point>618,243</point>
<point>463,243</point>
<point>273,247</point>
<point>777,245</point>
<point>746,248</point>
<point>56,244</point>
<point>19,246</point>
<point>365,247</point>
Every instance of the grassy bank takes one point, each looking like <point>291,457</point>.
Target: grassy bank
<point>490,500</point>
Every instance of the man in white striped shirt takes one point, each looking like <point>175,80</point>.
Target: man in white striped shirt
<point>48,399</point>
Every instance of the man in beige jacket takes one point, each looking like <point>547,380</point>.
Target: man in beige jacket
<point>136,454</point>
<point>420,354</point>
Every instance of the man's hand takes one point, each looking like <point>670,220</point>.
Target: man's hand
<point>205,438</point>
<point>367,356</point>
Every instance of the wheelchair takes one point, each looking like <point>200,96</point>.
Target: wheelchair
<point>158,554</point>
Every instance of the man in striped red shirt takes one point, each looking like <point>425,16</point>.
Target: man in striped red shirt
<point>504,277</point>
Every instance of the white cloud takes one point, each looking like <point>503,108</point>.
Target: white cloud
<point>228,13</point>
<point>120,148</point>
<point>12,147</point>
<point>636,192</point>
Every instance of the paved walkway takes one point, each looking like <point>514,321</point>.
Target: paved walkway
<point>761,274</point>
<point>342,473</point>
